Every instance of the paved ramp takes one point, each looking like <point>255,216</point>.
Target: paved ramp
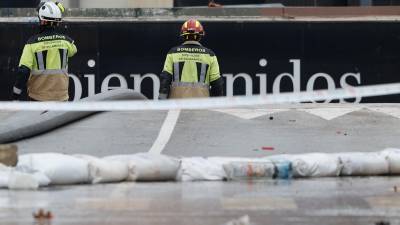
<point>230,132</point>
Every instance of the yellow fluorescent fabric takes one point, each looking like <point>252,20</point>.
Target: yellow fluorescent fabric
<point>190,59</point>
<point>46,55</point>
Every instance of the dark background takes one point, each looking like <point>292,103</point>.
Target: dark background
<point>335,48</point>
<point>19,3</point>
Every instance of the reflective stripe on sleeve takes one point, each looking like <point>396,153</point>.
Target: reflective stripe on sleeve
<point>49,72</point>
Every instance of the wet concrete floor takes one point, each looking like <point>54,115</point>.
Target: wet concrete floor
<point>344,201</point>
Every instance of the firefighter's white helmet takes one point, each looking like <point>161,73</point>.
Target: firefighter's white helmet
<point>50,11</point>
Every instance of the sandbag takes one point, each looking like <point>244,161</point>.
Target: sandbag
<point>250,170</point>
<point>209,169</point>
<point>200,169</point>
<point>41,178</point>
<point>22,181</point>
<point>21,178</point>
<point>59,168</point>
<point>283,166</point>
<point>392,156</point>
<point>149,166</point>
<point>283,170</point>
<point>4,177</point>
<point>363,164</point>
<point>105,171</point>
<point>314,165</point>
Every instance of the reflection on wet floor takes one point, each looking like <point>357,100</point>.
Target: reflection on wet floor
<point>301,201</point>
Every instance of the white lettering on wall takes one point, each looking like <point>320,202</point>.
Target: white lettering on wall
<point>91,84</point>
<point>344,84</point>
<point>329,80</point>
<point>106,82</point>
<point>230,80</point>
<point>77,86</point>
<point>137,79</point>
<point>293,77</point>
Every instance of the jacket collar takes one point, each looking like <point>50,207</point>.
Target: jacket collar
<point>191,43</point>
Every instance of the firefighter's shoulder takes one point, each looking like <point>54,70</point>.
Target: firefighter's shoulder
<point>209,51</point>
<point>174,50</point>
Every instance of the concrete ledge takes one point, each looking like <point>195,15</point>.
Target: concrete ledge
<point>265,13</point>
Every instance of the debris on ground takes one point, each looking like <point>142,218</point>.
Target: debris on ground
<point>340,132</point>
<point>268,148</point>
<point>43,215</point>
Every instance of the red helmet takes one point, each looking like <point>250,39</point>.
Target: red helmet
<point>192,30</point>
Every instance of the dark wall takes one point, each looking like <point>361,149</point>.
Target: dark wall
<point>19,3</point>
<point>385,2</point>
<point>338,53</point>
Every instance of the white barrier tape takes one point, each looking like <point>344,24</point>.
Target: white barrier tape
<point>206,103</point>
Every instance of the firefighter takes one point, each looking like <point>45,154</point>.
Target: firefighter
<point>43,67</point>
<point>191,70</point>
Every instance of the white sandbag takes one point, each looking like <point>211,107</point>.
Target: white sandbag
<point>22,181</point>
<point>149,166</point>
<point>283,166</point>
<point>208,169</point>
<point>3,167</point>
<point>59,168</point>
<point>200,169</point>
<point>4,177</point>
<point>363,164</point>
<point>105,171</point>
<point>250,170</point>
<point>40,177</point>
<point>315,165</point>
<point>392,156</point>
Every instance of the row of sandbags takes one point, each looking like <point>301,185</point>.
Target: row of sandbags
<point>43,169</point>
<point>386,162</point>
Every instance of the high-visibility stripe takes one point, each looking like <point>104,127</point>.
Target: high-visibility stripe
<point>188,84</point>
<point>203,73</point>
<point>49,72</point>
<point>176,71</point>
<point>65,58</point>
<point>39,57</point>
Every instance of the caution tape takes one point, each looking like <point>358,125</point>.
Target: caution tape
<point>207,103</point>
